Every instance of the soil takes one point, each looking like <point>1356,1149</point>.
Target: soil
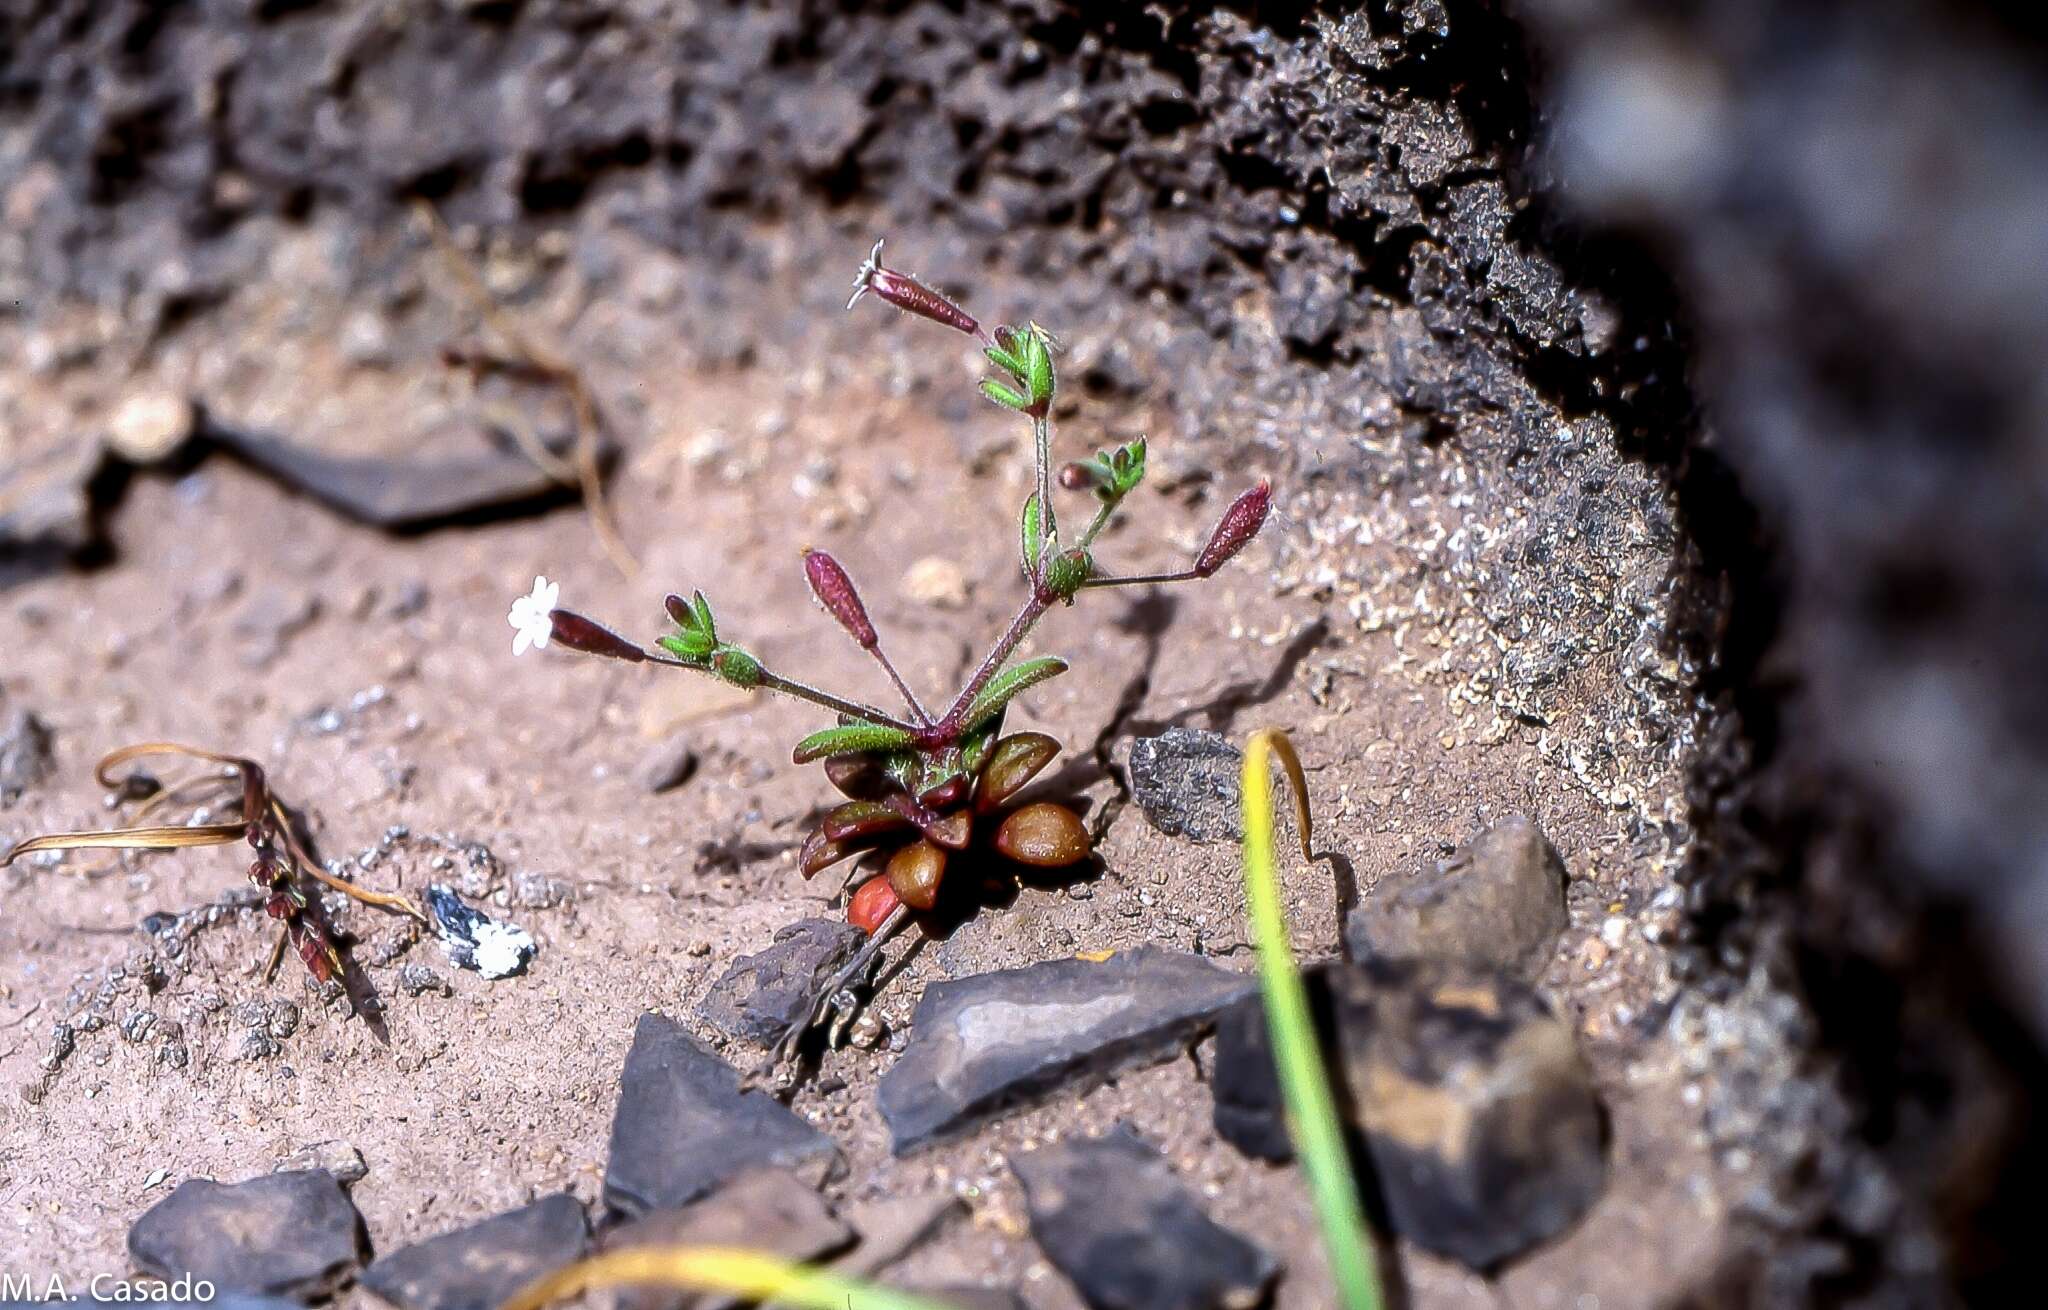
<point>1511,570</point>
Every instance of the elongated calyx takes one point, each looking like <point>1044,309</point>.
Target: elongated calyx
<point>1239,524</point>
<point>579,633</point>
<point>835,592</point>
<point>911,296</point>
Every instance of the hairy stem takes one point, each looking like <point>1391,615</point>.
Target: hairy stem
<point>1019,628</point>
<point>1141,579</point>
<point>1099,522</point>
<point>1041,436</point>
<point>800,691</point>
<point>909,696</point>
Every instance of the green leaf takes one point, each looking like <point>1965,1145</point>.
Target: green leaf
<point>1005,686</point>
<point>848,738</point>
<point>690,645</point>
<point>1002,395</point>
<point>1038,366</point>
<point>1006,361</point>
<point>1033,535</point>
<point>1127,467</point>
<point>1311,1117</point>
<point>702,609</point>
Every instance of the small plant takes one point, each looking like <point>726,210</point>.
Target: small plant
<point>922,786</point>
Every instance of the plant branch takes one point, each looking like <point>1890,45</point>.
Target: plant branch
<point>1019,628</point>
<point>1048,519</point>
<point>909,697</point>
<point>1141,579</point>
<point>798,690</point>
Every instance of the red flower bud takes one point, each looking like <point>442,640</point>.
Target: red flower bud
<point>579,633</point>
<point>1240,523</point>
<point>911,296</point>
<point>835,592</point>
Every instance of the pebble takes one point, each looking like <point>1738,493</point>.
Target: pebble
<point>683,1125</point>
<point>151,425</point>
<point>761,995</point>
<point>1475,1107</point>
<point>478,1267</point>
<point>338,1158</point>
<point>983,1044</point>
<point>291,1234</point>
<point>1112,1217</point>
<point>768,1210</point>
<point>667,766</point>
<point>1185,782</point>
<point>27,755</point>
<point>936,580</point>
<point>476,941</point>
<point>1497,903</point>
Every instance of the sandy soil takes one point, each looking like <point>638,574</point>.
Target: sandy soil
<point>1347,625</point>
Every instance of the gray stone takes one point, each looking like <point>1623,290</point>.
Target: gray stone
<point>1470,1097</point>
<point>761,995</point>
<point>1496,904</point>
<point>1186,783</point>
<point>338,1158</point>
<point>768,1210</point>
<point>477,1267</point>
<point>683,1125</point>
<point>1111,1216</point>
<point>411,492</point>
<point>983,1044</point>
<point>667,766</point>
<point>26,757</point>
<point>46,499</point>
<point>293,1234</point>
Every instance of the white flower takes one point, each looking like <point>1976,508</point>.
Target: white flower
<point>530,616</point>
<point>866,275</point>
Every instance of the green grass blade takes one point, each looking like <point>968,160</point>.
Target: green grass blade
<point>1311,1109</point>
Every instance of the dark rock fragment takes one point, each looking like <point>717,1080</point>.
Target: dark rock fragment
<point>293,1234</point>
<point>761,995</point>
<point>683,1125</point>
<point>768,1210</point>
<point>477,1267</point>
<point>26,756</point>
<point>1472,1102</point>
<point>1186,782</point>
<point>1112,1217</point>
<point>1496,904</point>
<point>983,1044</point>
<point>406,493</point>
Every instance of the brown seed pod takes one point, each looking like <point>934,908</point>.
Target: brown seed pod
<point>914,873</point>
<point>872,905</point>
<point>1016,760</point>
<point>1045,835</point>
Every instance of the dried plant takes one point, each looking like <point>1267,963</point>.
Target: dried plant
<point>281,859</point>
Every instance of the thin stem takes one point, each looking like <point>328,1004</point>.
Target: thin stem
<point>801,691</point>
<point>1139,579</point>
<point>1099,522</point>
<point>1048,520</point>
<point>909,696</point>
<point>1019,628</point>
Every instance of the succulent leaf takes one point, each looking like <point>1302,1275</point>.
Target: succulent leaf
<point>849,739</point>
<point>1005,686</point>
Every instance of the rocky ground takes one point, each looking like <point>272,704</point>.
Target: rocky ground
<point>268,484</point>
